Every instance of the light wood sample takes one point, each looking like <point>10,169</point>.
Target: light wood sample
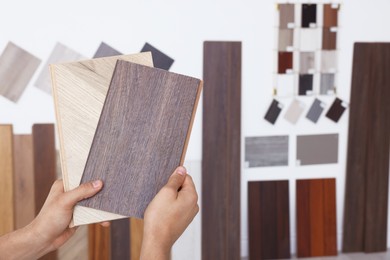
<point>141,137</point>
<point>76,248</point>
<point>79,91</point>
<point>6,177</point>
<point>23,180</point>
<point>17,66</point>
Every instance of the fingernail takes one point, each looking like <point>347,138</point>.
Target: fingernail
<point>181,170</point>
<point>97,184</point>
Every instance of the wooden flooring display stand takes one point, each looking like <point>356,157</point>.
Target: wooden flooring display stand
<point>366,191</point>
<point>221,151</point>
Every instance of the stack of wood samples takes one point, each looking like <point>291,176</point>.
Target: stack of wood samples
<point>221,150</point>
<point>366,191</point>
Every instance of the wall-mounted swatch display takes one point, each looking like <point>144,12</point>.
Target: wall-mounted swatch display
<point>294,111</point>
<point>329,38</point>
<point>285,63</point>
<point>273,111</point>
<point>327,86</point>
<point>160,59</point>
<point>305,84</point>
<point>266,151</point>
<point>286,16</point>
<point>307,62</point>
<point>328,61</point>
<point>268,220</point>
<point>336,110</point>
<point>143,100</point>
<point>315,110</point>
<point>316,217</point>
<point>309,40</point>
<point>60,54</point>
<point>309,15</point>
<point>317,149</point>
<point>17,67</point>
<point>286,39</point>
<point>330,15</point>
<point>105,50</point>
<point>285,85</point>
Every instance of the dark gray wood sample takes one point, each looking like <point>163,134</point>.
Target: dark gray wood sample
<point>305,84</point>
<point>327,83</point>
<point>221,151</point>
<point>17,67</point>
<point>266,151</point>
<point>105,50</point>
<point>160,59</point>
<point>315,110</point>
<point>336,110</point>
<point>317,149</point>
<point>273,111</point>
<point>309,15</point>
<point>120,239</point>
<point>141,137</point>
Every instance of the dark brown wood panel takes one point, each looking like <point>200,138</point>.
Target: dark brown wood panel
<point>303,218</point>
<point>120,239</point>
<point>221,151</point>
<point>143,111</point>
<point>268,220</point>
<point>330,216</point>
<point>44,167</point>
<point>316,211</point>
<point>98,242</point>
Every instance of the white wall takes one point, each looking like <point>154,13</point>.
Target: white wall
<point>179,28</point>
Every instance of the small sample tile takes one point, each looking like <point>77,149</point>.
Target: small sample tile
<point>308,40</point>
<point>329,39</point>
<point>273,111</point>
<point>60,54</point>
<point>285,85</point>
<point>328,61</point>
<point>315,110</point>
<point>317,149</point>
<point>160,59</point>
<point>309,15</point>
<point>140,109</point>
<point>266,151</point>
<point>307,62</point>
<point>105,50</point>
<point>286,16</point>
<point>294,111</point>
<point>17,67</point>
<point>331,15</point>
<point>286,39</point>
<point>327,86</point>
<point>285,62</point>
<point>305,85</point>
<point>336,110</point>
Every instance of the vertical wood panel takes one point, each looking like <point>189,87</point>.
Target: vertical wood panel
<point>136,235</point>
<point>221,150</point>
<point>330,225</point>
<point>6,180</point>
<point>98,242</point>
<point>23,180</point>
<point>120,239</point>
<point>316,211</point>
<point>303,218</point>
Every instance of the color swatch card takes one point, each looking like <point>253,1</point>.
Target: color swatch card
<point>315,110</point>
<point>273,111</point>
<point>142,136</point>
<point>294,111</point>
<point>317,149</point>
<point>266,151</point>
<point>336,110</point>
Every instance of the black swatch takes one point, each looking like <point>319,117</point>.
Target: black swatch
<point>336,110</point>
<point>273,112</point>
<point>305,84</point>
<point>309,15</point>
<point>160,59</point>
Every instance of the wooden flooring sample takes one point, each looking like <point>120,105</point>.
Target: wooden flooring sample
<point>105,50</point>
<point>221,150</point>
<point>265,151</point>
<point>24,190</point>
<point>98,242</point>
<point>366,191</point>
<point>286,16</point>
<point>60,53</point>
<point>273,111</point>
<point>120,239</point>
<point>136,236</point>
<point>17,67</point>
<point>143,112</point>
<point>336,110</point>
<point>6,176</point>
<point>316,217</point>
<point>317,149</point>
<point>331,15</point>
<point>315,110</point>
<point>160,59</point>
<point>79,91</point>
<point>76,248</point>
<point>268,220</point>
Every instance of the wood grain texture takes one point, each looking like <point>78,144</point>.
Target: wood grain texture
<point>316,217</point>
<point>264,151</point>
<point>105,50</point>
<point>98,242</point>
<point>136,236</point>
<point>286,15</point>
<point>79,91</point>
<point>330,16</point>
<point>24,191</point>
<point>142,111</point>
<point>268,220</point>
<point>329,39</point>
<point>59,54</point>
<point>6,176</point>
<point>366,197</point>
<point>120,239</point>
<point>44,154</point>
<point>76,248</point>
<point>17,67</point>
<point>160,59</point>
<point>294,111</point>
<point>221,150</point>
<point>285,62</point>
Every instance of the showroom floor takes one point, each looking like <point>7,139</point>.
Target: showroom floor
<point>355,256</point>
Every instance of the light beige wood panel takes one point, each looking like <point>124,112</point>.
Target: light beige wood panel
<point>79,90</point>
<point>6,180</point>
<point>23,180</point>
<point>76,248</point>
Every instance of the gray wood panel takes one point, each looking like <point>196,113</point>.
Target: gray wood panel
<point>105,50</point>
<point>327,85</point>
<point>315,110</point>
<point>266,151</point>
<point>317,149</point>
